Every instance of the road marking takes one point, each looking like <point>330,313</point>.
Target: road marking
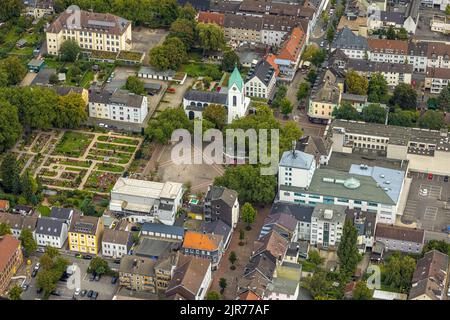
<point>430,213</point>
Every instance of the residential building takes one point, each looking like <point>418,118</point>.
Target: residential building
<point>91,31</point>
<point>409,19</point>
<point>319,147</point>
<point>296,168</point>
<point>137,273</point>
<point>118,105</point>
<point>417,56</point>
<point>397,238</point>
<point>51,232</point>
<point>18,222</point>
<point>233,97</point>
<point>286,282</point>
<point>205,246</point>
<point>282,223</point>
<point>85,234</point>
<point>356,101</point>
<point>191,279</point>
<point>438,55</point>
<point>289,56</point>
<point>430,277</point>
<point>301,213</point>
<point>162,231</point>
<point>116,243</point>
<point>426,150</point>
<point>394,73</point>
<point>10,260</point>
<point>325,97</point>
<point>272,242</point>
<point>39,8</point>
<point>440,24</point>
<point>388,51</point>
<point>222,203</point>
<point>23,210</point>
<point>218,227</point>
<point>260,81</point>
<point>259,270</point>
<point>357,25</point>
<point>164,269</point>
<point>275,28</point>
<point>63,91</point>
<point>211,17</point>
<point>437,79</point>
<point>365,223</point>
<point>353,46</point>
<point>65,214</point>
<point>146,201</point>
<point>239,28</point>
<point>327,223</point>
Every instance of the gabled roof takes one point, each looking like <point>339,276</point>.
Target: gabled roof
<point>399,233</point>
<point>388,46</point>
<point>49,226</point>
<point>293,46</point>
<point>273,243</point>
<point>300,212</point>
<point>61,213</point>
<point>346,39</point>
<point>211,17</point>
<point>216,227</point>
<point>206,97</point>
<point>228,196</point>
<point>116,236</point>
<point>8,246</point>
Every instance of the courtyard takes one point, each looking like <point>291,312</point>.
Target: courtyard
<point>77,160</point>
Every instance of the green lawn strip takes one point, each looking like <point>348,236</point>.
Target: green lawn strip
<point>74,169</point>
<point>109,167</point>
<point>44,210</point>
<point>68,162</point>
<point>73,143</point>
<point>118,140</point>
<point>116,147</point>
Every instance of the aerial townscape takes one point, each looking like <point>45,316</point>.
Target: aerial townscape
<point>97,202</point>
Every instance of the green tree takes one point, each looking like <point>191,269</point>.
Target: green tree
<point>356,84</point>
<point>443,100</point>
<point>311,76</point>
<point>348,251</point>
<point>230,60</point>
<point>135,85</point>
<point>71,111</point>
<point>391,34</point>
<point>374,113</point>
<point>361,291</point>
<point>250,185</point>
<point>280,94</point>
<point>170,55</point>
<point>330,34</point>
<point>15,293</point>
<point>99,266</point>
<point>404,97</point>
<point>317,284</point>
<point>325,17</point>
<point>69,50</point>
<point>439,245</point>
<point>346,111</point>
<point>51,252</point>
<point>303,91</point>
<point>211,36</point>
<point>187,12</point>
<point>213,295</point>
<point>184,29</point>
<point>314,55</point>
<point>232,258</point>
<point>29,187</point>
<point>403,118</point>
<point>315,258</point>
<point>398,272</point>
<point>4,229</point>
<point>9,171</point>
<point>248,214</point>
<point>447,9</point>
<point>378,88</point>
<point>10,9</point>
<point>223,283</point>
<point>433,120</point>
<point>217,114</point>
<point>161,128</point>
<point>14,69</point>
<point>10,127</point>
<point>29,245</point>
<point>286,107</point>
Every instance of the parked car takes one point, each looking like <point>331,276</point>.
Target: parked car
<point>114,280</point>
<point>37,266</point>
<point>97,277</point>
<point>39,290</point>
<point>430,176</point>
<point>94,295</point>
<point>446,179</point>
<point>92,277</point>
<point>56,293</point>
<point>117,261</point>
<point>25,286</point>
<point>90,293</point>
<point>83,293</point>
<point>423,192</point>
<point>34,273</point>
<point>87,257</point>
<point>41,250</point>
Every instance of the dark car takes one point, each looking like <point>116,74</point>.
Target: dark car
<point>446,179</point>
<point>90,293</point>
<point>83,293</point>
<point>39,290</point>
<point>56,293</point>
<point>92,277</point>
<point>97,277</point>
<point>34,273</point>
<point>134,228</point>
<point>87,257</point>
<point>94,295</point>
<point>117,261</point>
<point>114,280</point>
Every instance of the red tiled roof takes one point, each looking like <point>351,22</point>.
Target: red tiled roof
<point>249,295</point>
<point>8,246</point>
<point>388,46</point>
<point>211,17</point>
<point>293,46</point>
<point>4,204</point>
<point>271,60</point>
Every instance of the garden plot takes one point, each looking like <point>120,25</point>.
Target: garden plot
<point>101,182</point>
<point>73,144</point>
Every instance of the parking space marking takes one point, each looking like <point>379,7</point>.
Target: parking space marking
<point>430,213</point>
<point>433,191</point>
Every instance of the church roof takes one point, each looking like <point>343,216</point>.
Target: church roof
<point>236,78</point>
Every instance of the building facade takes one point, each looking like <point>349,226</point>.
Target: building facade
<point>10,259</point>
<point>116,243</point>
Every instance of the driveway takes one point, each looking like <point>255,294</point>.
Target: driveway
<point>145,39</point>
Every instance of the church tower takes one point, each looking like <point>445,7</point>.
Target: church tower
<point>237,102</point>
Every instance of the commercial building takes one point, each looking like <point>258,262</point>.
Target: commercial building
<point>118,105</point>
<point>426,150</point>
<point>146,201</point>
<point>91,31</point>
<point>10,259</point>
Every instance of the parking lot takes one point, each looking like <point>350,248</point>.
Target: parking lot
<point>105,289</point>
<point>428,202</point>
<point>144,39</point>
<point>423,30</point>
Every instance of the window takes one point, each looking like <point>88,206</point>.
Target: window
<point>234,101</point>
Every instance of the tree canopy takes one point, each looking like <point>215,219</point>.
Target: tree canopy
<point>69,50</point>
<point>432,119</point>
<point>348,251</point>
<point>211,36</point>
<point>161,128</point>
<point>356,83</point>
<point>135,85</point>
<point>404,97</point>
<point>378,89</point>
<point>170,55</point>
<point>346,111</point>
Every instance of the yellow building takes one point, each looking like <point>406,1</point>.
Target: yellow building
<point>85,234</point>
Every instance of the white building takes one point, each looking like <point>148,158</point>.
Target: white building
<point>417,56</point>
<point>296,169</point>
<point>440,24</point>
<point>146,201</point>
<point>437,79</point>
<point>260,81</point>
<point>51,232</point>
<point>442,4</point>
<point>119,105</point>
<point>438,55</point>
<point>232,97</point>
<point>394,73</point>
<point>91,30</point>
<point>39,8</point>
<point>116,243</point>
<point>327,223</point>
<point>353,46</point>
<point>390,51</point>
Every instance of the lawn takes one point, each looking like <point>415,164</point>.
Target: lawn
<point>87,79</point>
<point>101,181</point>
<point>109,167</point>
<point>76,163</point>
<point>116,147</point>
<point>202,70</point>
<point>118,140</point>
<point>43,210</point>
<point>73,144</point>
